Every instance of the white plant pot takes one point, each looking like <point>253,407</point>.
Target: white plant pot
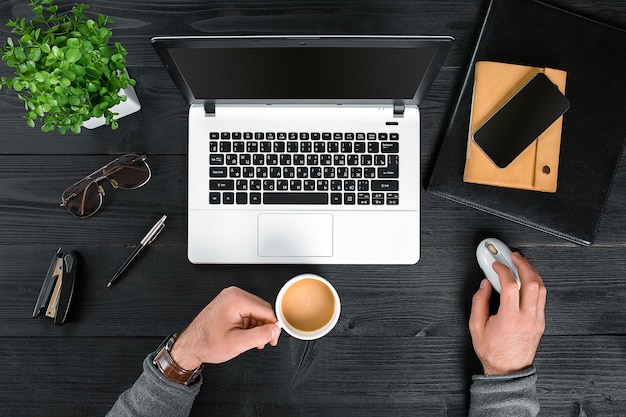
<point>130,106</point>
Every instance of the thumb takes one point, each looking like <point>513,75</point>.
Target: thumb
<point>245,339</point>
<point>480,307</point>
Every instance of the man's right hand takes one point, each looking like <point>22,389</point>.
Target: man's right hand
<point>507,342</point>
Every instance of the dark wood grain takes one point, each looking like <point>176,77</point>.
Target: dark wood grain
<point>401,347</point>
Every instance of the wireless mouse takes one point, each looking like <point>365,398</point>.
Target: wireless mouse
<point>493,250</point>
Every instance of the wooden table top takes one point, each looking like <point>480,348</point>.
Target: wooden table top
<point>401,346</point>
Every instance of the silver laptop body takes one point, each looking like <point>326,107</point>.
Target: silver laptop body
<point>303,149</point>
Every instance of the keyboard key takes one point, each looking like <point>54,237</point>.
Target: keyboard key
<point>390,147</point>
<point>219,172</point>
<point>393,199</point>
<point>252,147</point>
<point>384,185</point>
<point>269,185</point>
<point>258,159</point>
<point>336,198</point>
<point>315,172</point>
<point>231,159</point>
<point>241,185</point>
<point>214,198</point>
<point>216,159</point>
<point>221,184</point>
<point>295,185</point>
<point>245,159</point>
<point>295,198</point>
<point>388,172</point>
<point>363,199</point>
<point>229,198</point>
<point>349,198</point>
<point>289,172</point>
<point>255,198</point>
<point>241,198</point>
<point>373,147</point>
<point>282,185</point>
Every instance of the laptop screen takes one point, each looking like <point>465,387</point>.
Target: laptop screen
<point>302,70</point>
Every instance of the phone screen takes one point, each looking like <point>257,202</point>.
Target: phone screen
<point>521,120</point>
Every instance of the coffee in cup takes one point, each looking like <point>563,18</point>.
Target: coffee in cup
<point>307,307</point>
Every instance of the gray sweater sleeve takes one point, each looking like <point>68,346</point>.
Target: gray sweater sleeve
<point>504,396</point>
<point>154,395</point>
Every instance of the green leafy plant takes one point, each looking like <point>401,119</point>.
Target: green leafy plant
<point>65,70</point>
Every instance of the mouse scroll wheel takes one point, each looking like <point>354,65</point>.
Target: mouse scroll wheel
<point>492,248</point>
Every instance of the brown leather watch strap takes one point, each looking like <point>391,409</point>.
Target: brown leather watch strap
<point>169,368</point>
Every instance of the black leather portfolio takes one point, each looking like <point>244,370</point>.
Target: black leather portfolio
<point>533,33</point>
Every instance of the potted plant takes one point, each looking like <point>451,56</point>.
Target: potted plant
<point>66,72</point>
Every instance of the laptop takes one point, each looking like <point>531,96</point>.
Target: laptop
<point>303,149</point>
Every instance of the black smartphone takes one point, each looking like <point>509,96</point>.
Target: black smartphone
<point>521,120</point>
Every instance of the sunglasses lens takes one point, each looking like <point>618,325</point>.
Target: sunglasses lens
<point>128,171</point>
<point>82,199</point>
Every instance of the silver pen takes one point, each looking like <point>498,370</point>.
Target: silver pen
<point>148,238</point>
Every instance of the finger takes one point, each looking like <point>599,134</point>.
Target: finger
<point>257,308</point>
<point>509,292</point>
<point>480,308</point>
<point>249,307</point>
<point>246,339</point>
<point>533,290</point>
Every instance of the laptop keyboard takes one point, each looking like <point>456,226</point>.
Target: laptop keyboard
<point>303,168</point>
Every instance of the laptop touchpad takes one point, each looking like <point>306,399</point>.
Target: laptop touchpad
<point>291,234</point>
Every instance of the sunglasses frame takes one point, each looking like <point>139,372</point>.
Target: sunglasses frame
<point>100,174</point>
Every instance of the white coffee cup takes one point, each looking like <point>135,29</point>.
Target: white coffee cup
<point>307,307</point>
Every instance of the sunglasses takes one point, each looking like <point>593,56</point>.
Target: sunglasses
<point>84,198</point>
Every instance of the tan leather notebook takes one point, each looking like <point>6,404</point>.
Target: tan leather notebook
<point>536,168</point>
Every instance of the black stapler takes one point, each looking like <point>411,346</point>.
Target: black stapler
<point>57,289</point>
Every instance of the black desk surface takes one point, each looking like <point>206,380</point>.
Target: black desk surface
<point>401,346</point>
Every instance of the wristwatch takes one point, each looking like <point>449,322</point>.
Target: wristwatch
<point>169,368</point>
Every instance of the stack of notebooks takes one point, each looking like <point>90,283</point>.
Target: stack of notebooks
<point>561,182</point>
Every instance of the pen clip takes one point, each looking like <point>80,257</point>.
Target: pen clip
<point>156,233</point>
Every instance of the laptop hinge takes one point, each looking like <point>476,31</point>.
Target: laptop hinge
<point>398,110</point>
<point>209,109</point>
